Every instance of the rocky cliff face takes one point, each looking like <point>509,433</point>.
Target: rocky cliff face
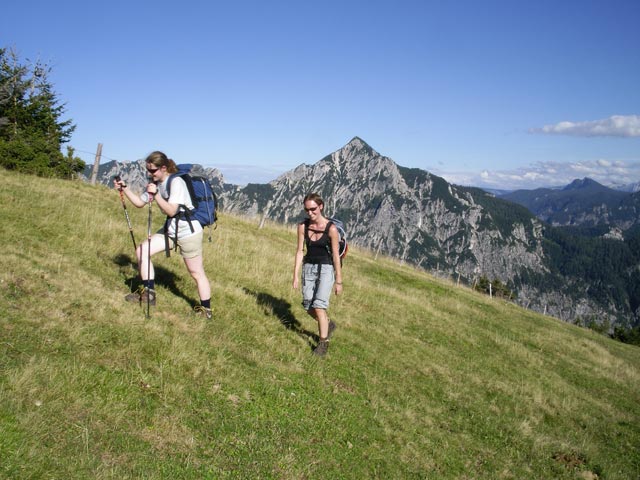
<point>405,213</point>
<point>135,175</point>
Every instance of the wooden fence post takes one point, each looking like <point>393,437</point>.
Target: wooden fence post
<point>96,165</point>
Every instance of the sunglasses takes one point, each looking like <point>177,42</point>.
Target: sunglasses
<point>152,170</point>
<point>312,209</point>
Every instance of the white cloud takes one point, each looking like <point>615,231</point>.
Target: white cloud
<point>614,126</point>
<point>549,174</point>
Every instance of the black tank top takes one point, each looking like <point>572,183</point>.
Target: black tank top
<point>318,251</point>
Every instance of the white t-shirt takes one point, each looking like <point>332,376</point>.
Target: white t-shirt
<point>180,196</point>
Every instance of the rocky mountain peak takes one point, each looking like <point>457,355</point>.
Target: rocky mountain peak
<point>582,184</point>
<point>357,144</point>
<point>406,213</point>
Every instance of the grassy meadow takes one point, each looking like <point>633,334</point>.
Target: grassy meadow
<point>423,379</point>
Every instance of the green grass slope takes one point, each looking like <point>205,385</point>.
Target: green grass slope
<point>423,379</point>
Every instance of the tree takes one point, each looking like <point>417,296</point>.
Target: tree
<point>32,130</point>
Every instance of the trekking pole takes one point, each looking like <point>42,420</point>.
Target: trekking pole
<point>126,214</point>
<point>149,257</point>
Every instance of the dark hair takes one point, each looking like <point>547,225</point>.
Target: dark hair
<point>159,159</point>
<point>314,197</point>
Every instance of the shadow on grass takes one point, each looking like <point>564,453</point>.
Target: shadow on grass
<point>282,310</point>
<point>164,277</point>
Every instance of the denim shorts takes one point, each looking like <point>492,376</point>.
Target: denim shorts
<point>316,289</point>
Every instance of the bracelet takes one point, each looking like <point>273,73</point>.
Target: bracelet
<point>338,283</point>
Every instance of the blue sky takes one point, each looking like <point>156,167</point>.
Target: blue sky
<point>502,94</point>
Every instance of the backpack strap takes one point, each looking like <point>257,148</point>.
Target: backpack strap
<point>307,228</point>
<point>306,232</point>
<point>167,221</point>
<point>171,177</point>
<point>183,214</point>
<point>329,223</point>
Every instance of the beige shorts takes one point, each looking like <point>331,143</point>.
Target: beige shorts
<point>189,247</point>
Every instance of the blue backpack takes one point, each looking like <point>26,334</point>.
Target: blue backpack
<point>205,202</point>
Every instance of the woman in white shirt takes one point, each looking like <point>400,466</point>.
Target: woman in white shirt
<point>160,168</point>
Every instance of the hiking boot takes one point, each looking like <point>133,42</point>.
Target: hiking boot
<point>141,295</point>
<point>321,349</point>
<point>204,312</point>
<point>332,327</point>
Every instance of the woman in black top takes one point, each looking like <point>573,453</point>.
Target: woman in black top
<point>321,268</point>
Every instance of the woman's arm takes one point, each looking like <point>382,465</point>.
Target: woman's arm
<point>133,198</point>
<point>299,256</point>
<point>334,237</point>
<point>169,209</point>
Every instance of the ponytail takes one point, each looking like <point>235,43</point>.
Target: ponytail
<point>159,159</point>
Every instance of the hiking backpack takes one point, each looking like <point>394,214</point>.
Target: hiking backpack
<point>343,246</point>
<point>203,198</point>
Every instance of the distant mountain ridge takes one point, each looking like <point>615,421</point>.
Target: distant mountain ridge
<point>629,187</point>
<point>135,174</point>
<point>584,203</point>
